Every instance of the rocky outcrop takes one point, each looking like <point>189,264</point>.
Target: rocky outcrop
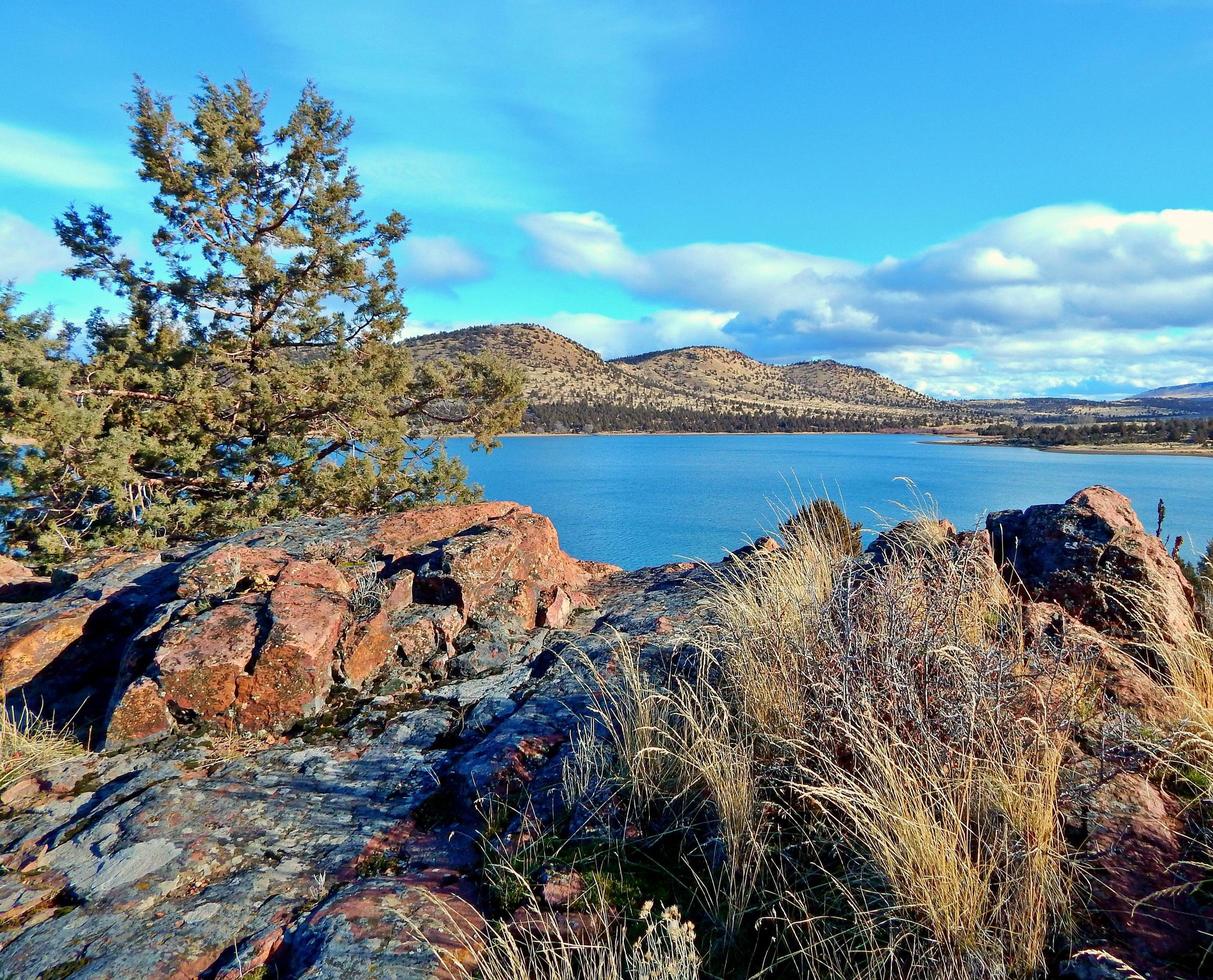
<point>1092,557</point>
<point>343,848</point>
<point>299,722</point>
<point>255,632</point>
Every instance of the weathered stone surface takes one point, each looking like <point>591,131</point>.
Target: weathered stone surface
<point>61,656</point>
<point>20,584</point>
<point>293,669</point>
<point>404,920</point>
<point>557,608</point>
<point>377,640</point>
<point>201,657</point>
<point>140,715</point>
<point>1092,556</point>
<point>334,849</point>
<point>504,564</point>
<point>1134,848</point>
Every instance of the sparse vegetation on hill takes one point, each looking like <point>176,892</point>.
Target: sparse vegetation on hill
<point>693,389</point>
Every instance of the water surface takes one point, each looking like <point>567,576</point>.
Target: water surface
<point>646,500</point>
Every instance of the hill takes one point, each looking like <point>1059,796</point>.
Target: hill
<point>846,382</point>
<point>1198,389</point>
<point>570,387</point>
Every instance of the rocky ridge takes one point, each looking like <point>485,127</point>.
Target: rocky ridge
<point>297,723</point>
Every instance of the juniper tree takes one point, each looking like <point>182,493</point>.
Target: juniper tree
<point>254,373</point>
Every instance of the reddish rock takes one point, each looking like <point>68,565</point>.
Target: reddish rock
<point>254,953</point>
<point>1092,556</point>
<point>200,658</point>
<point>377,640</point>
<point>141,715</point>
<point>318,575</point>
<point>32,645</point>
<point>22,896</point>
<point>401,534</point>
<point>226,568</point>
<point>563,888</point>
<point>478,568</point>
<point>557,608</point>
<point>293,670</point>
<point>20,584</point>
<point>420,925</point>
<point>1134,848</point>
<point>557,927</point>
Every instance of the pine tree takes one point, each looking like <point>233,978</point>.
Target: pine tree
<point>254,374</point>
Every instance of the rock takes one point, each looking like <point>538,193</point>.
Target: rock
<point>198,662</point>
<point>378,639</point>
<point>503,563</point>
<point>1134,846</point>
<point>23,896</point>
<point>20,584</point>
<point>561,889</point>
<point>484,650</point>
<point>1092,556</point>
<point>62,656</point>
<point>406,928</point>
<point>292,672</point>
<point>224,569</point>
<point>1098,964</point>
<point>556,609</point>
<point>313,854</point>
<point>141,715</point>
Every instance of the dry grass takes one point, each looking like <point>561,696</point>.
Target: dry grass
<point>1184,666</point>
<point>880,784</point>
<point>540,945</point>
<point>30,745</point>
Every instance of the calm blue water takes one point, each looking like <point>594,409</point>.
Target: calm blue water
<point>646,500</point>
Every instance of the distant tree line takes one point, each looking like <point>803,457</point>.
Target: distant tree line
<point>581,416</point>
<point>1191,431</point>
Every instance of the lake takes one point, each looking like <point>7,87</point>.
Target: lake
<point>646,500</point>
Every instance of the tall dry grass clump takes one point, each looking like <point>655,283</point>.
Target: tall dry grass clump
<point>860,766</point>
<point>1183,663</point>
<point>539,945</point>
<point>30,745</point>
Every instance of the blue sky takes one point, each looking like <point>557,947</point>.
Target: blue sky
<point>973,197</point>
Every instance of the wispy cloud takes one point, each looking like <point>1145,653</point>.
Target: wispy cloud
<point>488,106</point>
<point>1054,298</point>
<point>52,160</point>
<point>26,251</point>
<point>440,262</point>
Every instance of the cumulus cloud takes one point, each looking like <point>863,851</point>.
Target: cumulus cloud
<point>1060,298</point>
<point>46,159</point>
<point>614,337</point>
<point>26,250</point>
<point>440,262</point>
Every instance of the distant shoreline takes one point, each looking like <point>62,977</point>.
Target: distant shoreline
<point>959,433</point>
<point>1113,449</point>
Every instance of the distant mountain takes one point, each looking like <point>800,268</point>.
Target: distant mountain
<point>1198,389</point>
<point>1083,411</point>
<point>569,386</point>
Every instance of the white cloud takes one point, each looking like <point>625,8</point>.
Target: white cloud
<point>27,251</point>
<point>1065,297</point>
<point>440,262</point>
<point>612,337</point>
<point>46,159</point>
